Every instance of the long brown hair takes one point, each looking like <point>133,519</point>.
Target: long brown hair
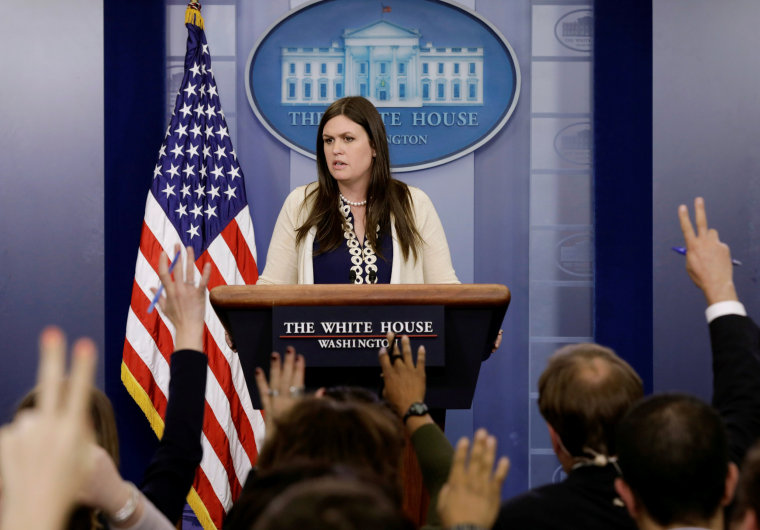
<point>386,196</point>
<point>360,435</point>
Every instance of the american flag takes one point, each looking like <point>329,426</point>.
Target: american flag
<point>197,198</point>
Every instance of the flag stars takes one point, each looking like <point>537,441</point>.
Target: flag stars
<point>193,231</point>
<point>222,132</point>
<point>177,151</point>
<point>214,192</point>
<point>185,191</point>
<point>212,90</point>
<point>205,49</point>
<point>185,110</point>
<point>199,191</point>
<point>157,171</point>
<point>196,130</point>
<point>234,172</point>
<point>189,171</point>
<point>233,153</point>
<point>196,211</point>
<point>195,69</point>
<point>182,210</point>
<point>192,150</point>
<point>181,130</point>
<point>198,110</point>
<point>173,171</point>
<point>190,89</point>
<point>162,151</point>
<point>168,190</point>
<point>209,131</point>
<point>204,171</point>
<point>203,90</point>
<point>218,171</point>
<point>210,111</point>
<point>210,211</point>
<point>206,149</point>
<point>220,152</point>
<point>230,193</point>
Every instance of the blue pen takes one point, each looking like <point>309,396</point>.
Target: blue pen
<point>682,250</point>
<point>161,287</point>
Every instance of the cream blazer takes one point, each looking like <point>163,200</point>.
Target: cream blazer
<point>288,263</point>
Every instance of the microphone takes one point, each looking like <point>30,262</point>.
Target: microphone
<point>372,277</point>
<point>352,276</point>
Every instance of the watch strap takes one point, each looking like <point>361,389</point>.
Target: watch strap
<point>415,409</point>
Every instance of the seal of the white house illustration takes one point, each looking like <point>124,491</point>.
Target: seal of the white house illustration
<point>443,78</point>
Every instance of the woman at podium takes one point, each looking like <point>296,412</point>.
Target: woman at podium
<point>356,224</point>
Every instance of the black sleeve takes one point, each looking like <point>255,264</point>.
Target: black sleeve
<point>735,343</point>
<point>170,473</point>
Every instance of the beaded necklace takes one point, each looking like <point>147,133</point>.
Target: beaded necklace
<point>363,268</point>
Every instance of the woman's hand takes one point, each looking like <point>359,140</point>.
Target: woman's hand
<point>43,452</point>
<point>184,304</point>
<point>285,386</point>
<point>472,494</point>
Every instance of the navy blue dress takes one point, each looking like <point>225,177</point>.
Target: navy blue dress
<point>335,266</point>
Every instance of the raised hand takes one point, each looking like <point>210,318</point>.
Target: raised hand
<point>285,386</point>
<point>708,260</point>
<point>404,382</point>
<point>43,452</point>
<point>184,303</point>
<point>473,492</point>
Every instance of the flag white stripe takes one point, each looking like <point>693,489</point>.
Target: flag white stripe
<point>215,473</point>
<point>245,224</point>
<point>220,406</point>
<point>142,342</point>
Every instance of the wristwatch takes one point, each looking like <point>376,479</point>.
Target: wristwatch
<point>415,409</point>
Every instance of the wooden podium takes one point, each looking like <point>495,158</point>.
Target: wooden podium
<point>471,317</point>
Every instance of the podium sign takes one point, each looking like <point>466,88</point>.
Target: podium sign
<point>352,335</point>
<point>472,315</point>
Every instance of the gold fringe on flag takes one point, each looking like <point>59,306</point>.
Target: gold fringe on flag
<point>200,510</point>
<point>193,14</point>
<point>143,400</point>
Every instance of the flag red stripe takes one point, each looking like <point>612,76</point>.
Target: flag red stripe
<point>152,322</point>
<point>221,444</point>
<point>216,279</point>
<point>210,500</point>
<point>221,369</point>
<point>150,246</point>
<point>239,248</point>
<point>144,377</point>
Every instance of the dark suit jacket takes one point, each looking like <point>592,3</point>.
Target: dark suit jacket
<point>170,473</point>
<point>736,380</point>
<point>586,499</point>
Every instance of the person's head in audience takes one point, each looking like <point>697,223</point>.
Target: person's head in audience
<point>101,415</point>
<point>326,430</point>
<point>262,486</point>
<point>747,508</point>
<point>331,503</point>
<point>673,455</point>
<point>106,436</point>
<point>583,393</point>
